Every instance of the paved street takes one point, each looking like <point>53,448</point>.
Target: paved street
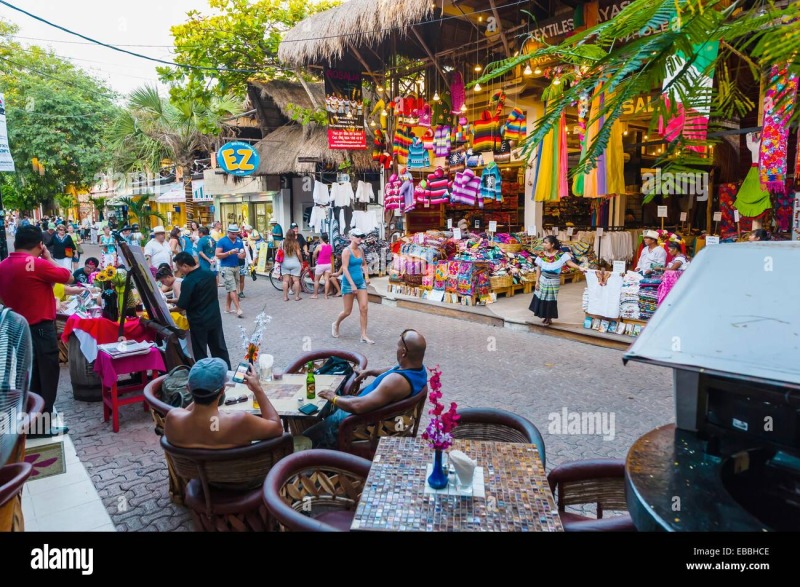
<point>533,375</point>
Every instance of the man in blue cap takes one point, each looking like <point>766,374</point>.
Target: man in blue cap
<point>203,425</point>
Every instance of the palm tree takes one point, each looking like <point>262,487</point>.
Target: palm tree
<point>139,206</point>
<point>99,204</point>
<point>153,129</point>
<point>623,57</point>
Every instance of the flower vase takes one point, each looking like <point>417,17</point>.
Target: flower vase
<point>438,477</point>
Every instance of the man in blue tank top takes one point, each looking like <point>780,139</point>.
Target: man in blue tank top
<point>409,377</point>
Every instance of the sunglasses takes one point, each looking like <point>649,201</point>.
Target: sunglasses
<point>402,337</point>
<point>236,400</point>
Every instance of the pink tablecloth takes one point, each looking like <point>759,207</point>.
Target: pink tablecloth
<point>109,369</point>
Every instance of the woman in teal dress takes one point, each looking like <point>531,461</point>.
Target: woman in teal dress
<point>355,279</point>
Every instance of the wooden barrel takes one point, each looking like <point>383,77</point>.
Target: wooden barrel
<point>86,385</point>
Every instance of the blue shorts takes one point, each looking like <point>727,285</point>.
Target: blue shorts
<point>346,289</point>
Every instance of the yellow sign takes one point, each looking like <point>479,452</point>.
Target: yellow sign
<point>638,106</point>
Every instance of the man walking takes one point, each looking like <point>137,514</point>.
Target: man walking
<point>199,299</point>
<point>229,250</point>
<point>206,249</point>
<point>27,278</point>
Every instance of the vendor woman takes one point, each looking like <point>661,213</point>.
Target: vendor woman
<point>652,255</point>
<point>548,279</point>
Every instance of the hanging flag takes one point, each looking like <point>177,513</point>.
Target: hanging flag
<point>345,107</point>
<point>6,162</point>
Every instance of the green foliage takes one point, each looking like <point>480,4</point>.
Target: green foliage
<point>56,113</point>
<point>140,207</point>
<point>238,35</point>
<point>632,54</point>
<point>307,115</point>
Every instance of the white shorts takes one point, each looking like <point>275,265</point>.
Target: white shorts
<point>321,269</point>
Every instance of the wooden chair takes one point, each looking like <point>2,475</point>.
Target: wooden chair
<point>359,434</point>
<point>315,490</point>
<point>499,426</point>
<point>223,486</point>
<point>159,410</point>
<point>318,358</point>
<point>12,478</point>
<point>598,481</point>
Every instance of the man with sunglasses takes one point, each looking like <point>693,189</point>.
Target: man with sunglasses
<point>409,377</point>
<point>202,425</point>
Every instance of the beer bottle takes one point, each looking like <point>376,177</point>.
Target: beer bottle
<point>311,385</point>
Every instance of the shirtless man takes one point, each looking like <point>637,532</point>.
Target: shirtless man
<point>202,425</point>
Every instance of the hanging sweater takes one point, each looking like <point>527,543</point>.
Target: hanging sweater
<point>417,155</point>
<point>401,143</point>
<point>467,189</point>
<point>487,133</point>
<point>407,195</point>
<point>437,189</point>
<point>441,141</point>
<point>491,183</point>
<point>392,199</point>
<point>516,126</point>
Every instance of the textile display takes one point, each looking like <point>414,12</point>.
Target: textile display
<point>604,299</point>
<point>321,193</point>
<point>487,133</point>
<point>437,189</point>
<point>796,221</point>
<point>491,183</point>
<point>550,177</point>
<point>669,280</point>
<point>451,285</point>
<point>784,203</point>
<point>364,192</point>
<point>752,199</point>
<point>342,194</point>
<point>467,189</point>
<point>607,178</point>
<point>440,275</point>
<point>727,203</point>
<point>691,122</point>
<point>516,126</point>
<point>458,93</point>
<point>778,103</point>
<point>392,200</point>
<point>403,137</point>
<point>417,155</point>
<point>648,296</point>
<point>629,296</point>
<point>441,141</point>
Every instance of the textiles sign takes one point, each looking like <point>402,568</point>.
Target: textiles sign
<point>238,158</point>
<point>6,162</point>
<point>345,107</point>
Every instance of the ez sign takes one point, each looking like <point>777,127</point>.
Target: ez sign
<point>238,158</point>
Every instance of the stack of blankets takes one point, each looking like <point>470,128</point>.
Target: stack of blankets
<point>629,298</point>
<point>648,296</point>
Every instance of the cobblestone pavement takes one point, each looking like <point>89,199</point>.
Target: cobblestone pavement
<point>539,377</point>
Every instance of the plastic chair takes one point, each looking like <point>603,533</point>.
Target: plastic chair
<point>598,481</point>
<point>12,478</point>
<point>315,490</point>
<point>499,426</point>
<point>359,434</point>
<point>223,486</point>
<point>357,360</point>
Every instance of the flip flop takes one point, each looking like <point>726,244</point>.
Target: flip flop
<point>240,314</point>
<point>333,331</point>
<point>367,341</point>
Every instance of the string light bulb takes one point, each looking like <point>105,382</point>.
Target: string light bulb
<point>625,132</point>
<point>379,89</point>
<point>557,81</point>
<point>478,67</point>
<point>537,71</point>
<point>527,70</point>
<point>436,97</point>
<point>372,123</point>
<point>463,107</point>
<point>384,113</point>
<point>478,87</point>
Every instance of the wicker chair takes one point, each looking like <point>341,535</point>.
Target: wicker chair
<point>359,434</point>
<point>599,481</point>
<point>159,410</point>
<point>357,360</point>
<point>499,426</point>
<point>12,478</point>
<point>223,486</point>
<point>315,490</point>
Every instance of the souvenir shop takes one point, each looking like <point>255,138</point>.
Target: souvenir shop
<point>474,201</point>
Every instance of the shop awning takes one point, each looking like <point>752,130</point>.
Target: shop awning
<point>733,313</point>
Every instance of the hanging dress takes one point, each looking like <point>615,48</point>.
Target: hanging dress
<point>752,200</point>
<point>607,178</point>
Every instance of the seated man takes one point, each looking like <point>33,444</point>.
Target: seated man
<point>89,266</point>
<point>408,378</point>
<point>169,283</point>
<point>202,425</point>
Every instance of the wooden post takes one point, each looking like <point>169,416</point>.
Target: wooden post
<point>710,201</point>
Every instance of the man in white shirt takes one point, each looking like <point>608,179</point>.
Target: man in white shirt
<point>157,251</point>
<point>652,254</point>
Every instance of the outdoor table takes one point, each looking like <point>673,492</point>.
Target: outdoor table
<point>95,331</point>
<point>109,370</point>
<point>516,495</point>
<point>283,394</point>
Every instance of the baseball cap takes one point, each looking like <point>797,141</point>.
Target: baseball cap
<point>293,225</point>
<point>233,228</point>
<point>158,229</point>
<point>207,377</point>
<point>357,233</point>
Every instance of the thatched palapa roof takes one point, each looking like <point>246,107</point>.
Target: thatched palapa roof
<point>327,36</point>
<point>279,151</point>
<point>272,99</point>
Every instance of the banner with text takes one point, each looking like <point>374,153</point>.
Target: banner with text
<point>345,107</point>
<point>6,162</point>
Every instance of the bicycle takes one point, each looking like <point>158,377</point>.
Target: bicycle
<point>306,279</point>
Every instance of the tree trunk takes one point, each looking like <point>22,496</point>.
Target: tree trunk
<point>188,196</point>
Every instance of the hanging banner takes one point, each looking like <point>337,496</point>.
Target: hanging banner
<point>345,107</point>
<point>6,162</point>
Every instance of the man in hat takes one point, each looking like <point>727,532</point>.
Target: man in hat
<point>275,239</point>
<point>652,254</point>
<point>229,250</point>
<point>202,425</point>
<point>157,251</point>
<point>127,234</point>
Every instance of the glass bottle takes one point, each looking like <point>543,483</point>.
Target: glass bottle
<point>311,385</point>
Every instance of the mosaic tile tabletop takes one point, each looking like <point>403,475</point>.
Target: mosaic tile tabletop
<point>518,498</point>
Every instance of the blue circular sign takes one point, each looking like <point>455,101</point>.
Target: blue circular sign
<point>238,158</point>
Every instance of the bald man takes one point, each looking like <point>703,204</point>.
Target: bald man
<point>408,378</point>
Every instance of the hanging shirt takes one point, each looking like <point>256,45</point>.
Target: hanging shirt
<point>321,193</point>
<point>364,192</point>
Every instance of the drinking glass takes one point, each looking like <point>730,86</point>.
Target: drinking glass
<point>465,481</point>
<point>265,363</point>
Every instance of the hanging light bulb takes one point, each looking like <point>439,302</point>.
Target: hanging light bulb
<point>436,97</point>
<point>645,137</point>
<point>480,18</point>
<point>557,81</point>
<point>478,67</point>
<point>384,113</point>
<point>372,123</point>
<point>625,132</point>
<point>527,70</point>
<point>477,87</point>
<point>537,71</point>
<point>463,107</point>
<point>379,89</point>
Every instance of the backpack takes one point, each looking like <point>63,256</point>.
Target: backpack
<point>175,387</point>
<point>335,366</point>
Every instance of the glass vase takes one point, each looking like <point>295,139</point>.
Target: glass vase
<point>438,477</point>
